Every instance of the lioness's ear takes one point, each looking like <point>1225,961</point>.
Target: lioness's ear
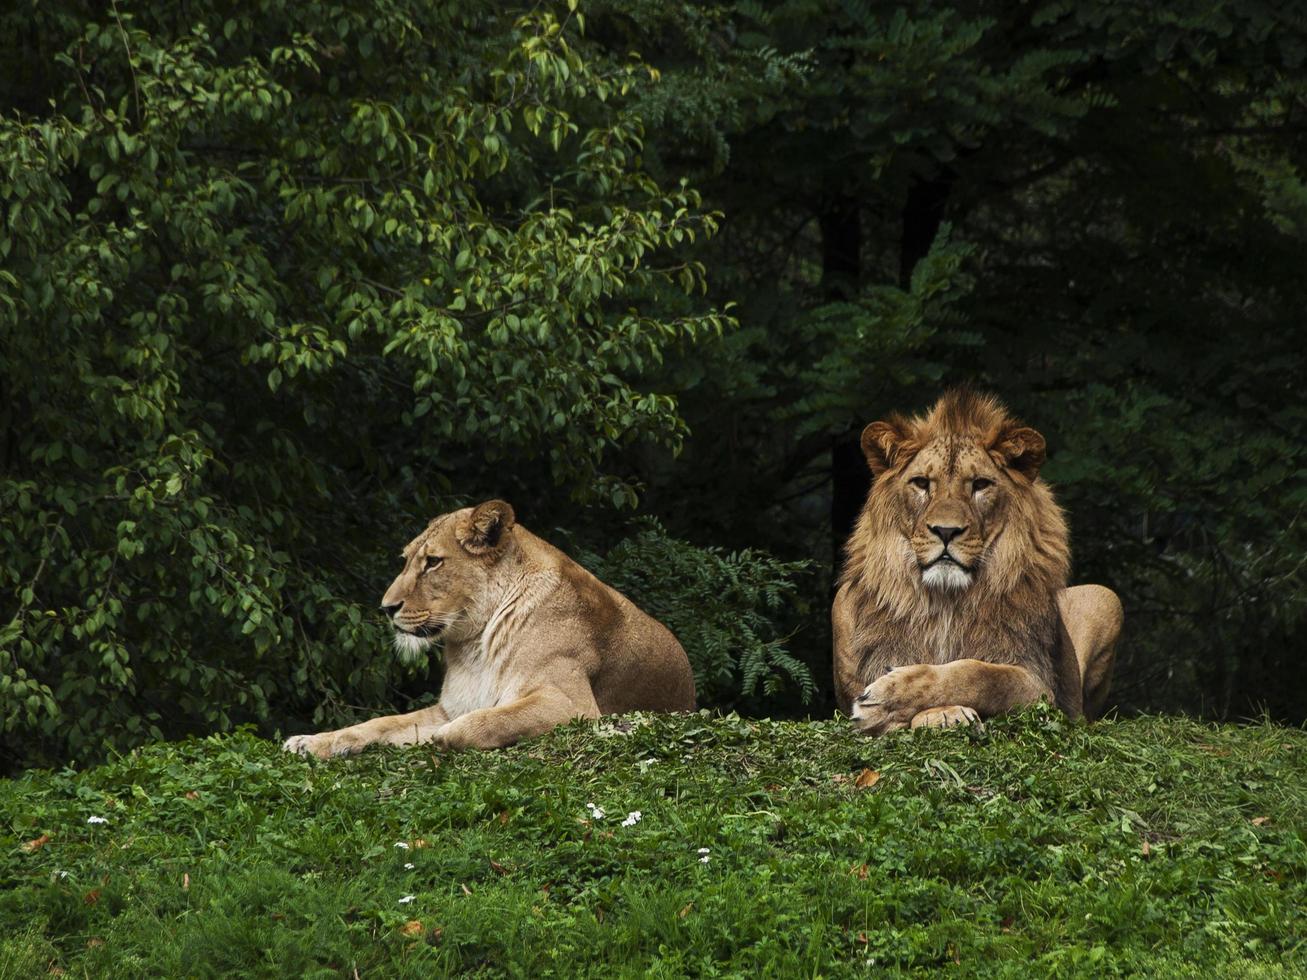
<point>881,444</point>
<point>1022,449</point>
<point>482,531</point>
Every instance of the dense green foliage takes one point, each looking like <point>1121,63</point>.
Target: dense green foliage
<point>280,281</point>
<point>1151,847</point>
<point>276,288</point>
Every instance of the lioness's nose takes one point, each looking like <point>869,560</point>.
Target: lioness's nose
<point>945,534</point>
<point>391,608</point>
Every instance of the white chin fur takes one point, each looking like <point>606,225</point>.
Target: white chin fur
<point>946,577</point>
<point>407,643</point>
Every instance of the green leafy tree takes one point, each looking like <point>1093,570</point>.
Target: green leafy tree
<point>279,281</point>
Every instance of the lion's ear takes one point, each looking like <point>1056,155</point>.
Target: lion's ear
<point>483,530</point>
<point>882,444</point>
<point>1021,449</point>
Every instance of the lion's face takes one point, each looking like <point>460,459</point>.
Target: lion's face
<point>950,491</point>
<point>952,498</point>
<point>448,572</point>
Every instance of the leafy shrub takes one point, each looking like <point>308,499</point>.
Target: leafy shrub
<point>722,606</point>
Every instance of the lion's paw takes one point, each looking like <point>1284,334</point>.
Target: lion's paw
<point>890,702</point>
<point>947,716</point>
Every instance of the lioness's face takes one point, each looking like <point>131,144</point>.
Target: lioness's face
<point>447,574</point>
<point>953,499</point>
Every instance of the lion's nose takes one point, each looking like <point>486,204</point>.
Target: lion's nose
<point>945,534</point>
<point>391,608</point>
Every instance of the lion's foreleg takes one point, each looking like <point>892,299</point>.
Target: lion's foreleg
<point>989,689</point>
<point>536,713</point>
<point>937,693</point>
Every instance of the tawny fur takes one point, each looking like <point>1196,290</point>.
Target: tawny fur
<point>531,640</point>
<point>986,632</point>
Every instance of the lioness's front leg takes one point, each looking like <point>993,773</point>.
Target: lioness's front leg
<point>894,700</point>
<point>536,713</point>
<point>407,729</point>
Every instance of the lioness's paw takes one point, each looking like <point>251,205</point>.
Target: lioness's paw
<point>947,716</point>
<point>319,745</point>
<point>324,745</point>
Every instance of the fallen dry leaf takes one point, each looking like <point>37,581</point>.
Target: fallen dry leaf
<point>93,942</point>
<point>1145,849</point>
<point>867,779</point>
<point>466,890</point>
<point>685,911</point>
<point>91,897</point>
<point>1258,821</point>
<point>418,842</point>
<point>192,795</point>
<point>859,871</point>
<point>413,927</point>
<point>503,817</point>
<point>186,882</point>
<point>37,843</point>
<point>498,867</point>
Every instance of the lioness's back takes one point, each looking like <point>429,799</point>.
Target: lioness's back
<point>638,663</point>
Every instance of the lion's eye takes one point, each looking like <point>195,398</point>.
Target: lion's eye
<point>920,482</point>
<point>433,562</point>
<point>980,483</point>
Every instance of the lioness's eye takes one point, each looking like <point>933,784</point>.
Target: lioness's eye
<point>980,483</point>
<point>920,482</point>
<point>433,562</point>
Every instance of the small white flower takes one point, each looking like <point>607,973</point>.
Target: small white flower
<point>401,845</point>
<point>406,899</point>
<point>632,818</point>
<point>705,859</point>
<point>62,875</point>
<point>596,812</point>
<point>97,820</point>
<point>409,866</point>
<point>705,850</point>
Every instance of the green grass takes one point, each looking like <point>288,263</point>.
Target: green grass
<point>1037,847</point>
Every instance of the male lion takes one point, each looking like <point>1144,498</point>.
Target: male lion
<point>953,604</point>
<point>531,640</point>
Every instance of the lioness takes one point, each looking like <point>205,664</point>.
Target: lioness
<point>953,604</point>
<point>531,640</point>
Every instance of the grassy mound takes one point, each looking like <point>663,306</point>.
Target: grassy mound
<point>1155,845</point>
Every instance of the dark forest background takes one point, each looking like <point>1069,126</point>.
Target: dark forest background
<point>283,280</point>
